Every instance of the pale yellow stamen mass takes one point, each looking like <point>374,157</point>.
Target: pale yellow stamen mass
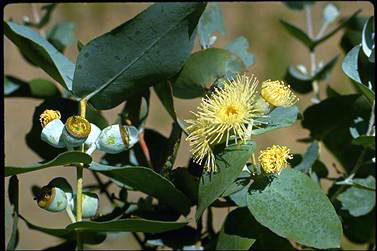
<point>47,116</point>
<point>274,159</point>
<point>277,93</point>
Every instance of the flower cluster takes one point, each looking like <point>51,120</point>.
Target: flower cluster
<point>274,158</point>
<point>231,112</point>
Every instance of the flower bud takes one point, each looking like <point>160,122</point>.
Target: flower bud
<point>117,138</point>
<point>76,131</point>
<point>55,196</point>
<point>90,204</point>
<point>90,142</point>
<point>52,128</point>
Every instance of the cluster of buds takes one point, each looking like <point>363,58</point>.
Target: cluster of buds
<point>77,131</point>
<point>58,196</point>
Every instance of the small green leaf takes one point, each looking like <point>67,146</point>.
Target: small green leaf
<point>240,47</point>
<point>366,141</point>
<point>229,165</point>
<point>135,61</point>
<point>350,65</point>
<point>330,13</point>
<point>280,117</point>
<point>36,88</point>
<point>202,69</point>
<point>358,200</point>
<point>367,40</point>
<point>87,237</point>
<point>235,233</point>
<point>295,207</point>
<point>147,181</point>
<point>298,33</point>
<point>62,35</point>
<point>41,52</point>
<point>211,21</point>
<point>310,156</point>
<point>66,158</point>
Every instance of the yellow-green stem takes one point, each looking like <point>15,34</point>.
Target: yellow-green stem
<point>79,182</point>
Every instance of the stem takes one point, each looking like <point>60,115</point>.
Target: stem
<point>322,30</point>
<point>79,183</point>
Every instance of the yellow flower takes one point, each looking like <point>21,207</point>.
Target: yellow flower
<point>277,93</point>
<point>47,116</point>
<point>274,158</point>
<point>228,111</point>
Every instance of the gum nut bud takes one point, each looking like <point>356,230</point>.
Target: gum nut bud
<point>133,135</point>
<point>93,135</point>
<point>114,139</point>
<point>52,128</point>
<point>52,199</point>
<point>90,204</point>
<point>76,131</point>
<point>61,183</point>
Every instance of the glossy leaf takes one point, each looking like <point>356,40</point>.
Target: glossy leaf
<point>145,50</point>
<point>298,33</point>
<point>350,65</point>
<point>280,117</point>
<point>92,237</point>
<point>310,156</point>
<point>240,47</point>
<point>359,200</point>
<point>235,233</point>
<point>229,164</point>
<point>366,141</point>
<point>295,207</point>
<point>202,69</point>
<point>41,52</point>
<point>147,181</point>
<point>62,35</point>
<point>211,21</point>
<point>299,82</point>
<point>367,40</point>
<point>66,158</point>
<point>330,13</point>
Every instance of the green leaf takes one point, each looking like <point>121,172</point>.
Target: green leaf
<point>358,200</point>
<point>185,182</point>
<point>13,193</point>
<point>300,82</point>
<point>310,156</point>
<point>330,13</point>
<point>145,50</point>
<point>367,40</point>
<point>280,117</point>
<point>66,158</point>
<point>229,164</point>
<point>211,21</point>
<point>366,141</point>
<point>235,233</point>
<point>323,72</point>
<point>62,35</point>
<point>298,33</point>
<point>174,142</point>
<point>240,46</point>
<point>36,88</point>
<point>87,237</point>
<point>147,181</point>
<point>41,52</point>
<point>298,5</point>
<point>350,65</point>
<point>202,69</point>
<point>295,207</point>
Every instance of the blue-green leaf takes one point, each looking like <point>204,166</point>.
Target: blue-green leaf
<point>357,199</point>
<point>295,207</point>
<point>367,39</point>
<point>350,65</point>
<point>229,165</point>
<point>41,52</point>
<point>62,35</point>
<point>330,13</point>
<point>212,20</point>
<point>147,181</point>
<point>310,156</point>
<point>149,48</point>
<point>66,158</point>
<point>240,47</point>
<point>280,117</point>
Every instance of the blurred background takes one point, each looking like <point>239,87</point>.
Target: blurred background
<point>274,49</point>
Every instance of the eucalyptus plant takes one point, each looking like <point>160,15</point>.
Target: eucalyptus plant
<point>275,195</point>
